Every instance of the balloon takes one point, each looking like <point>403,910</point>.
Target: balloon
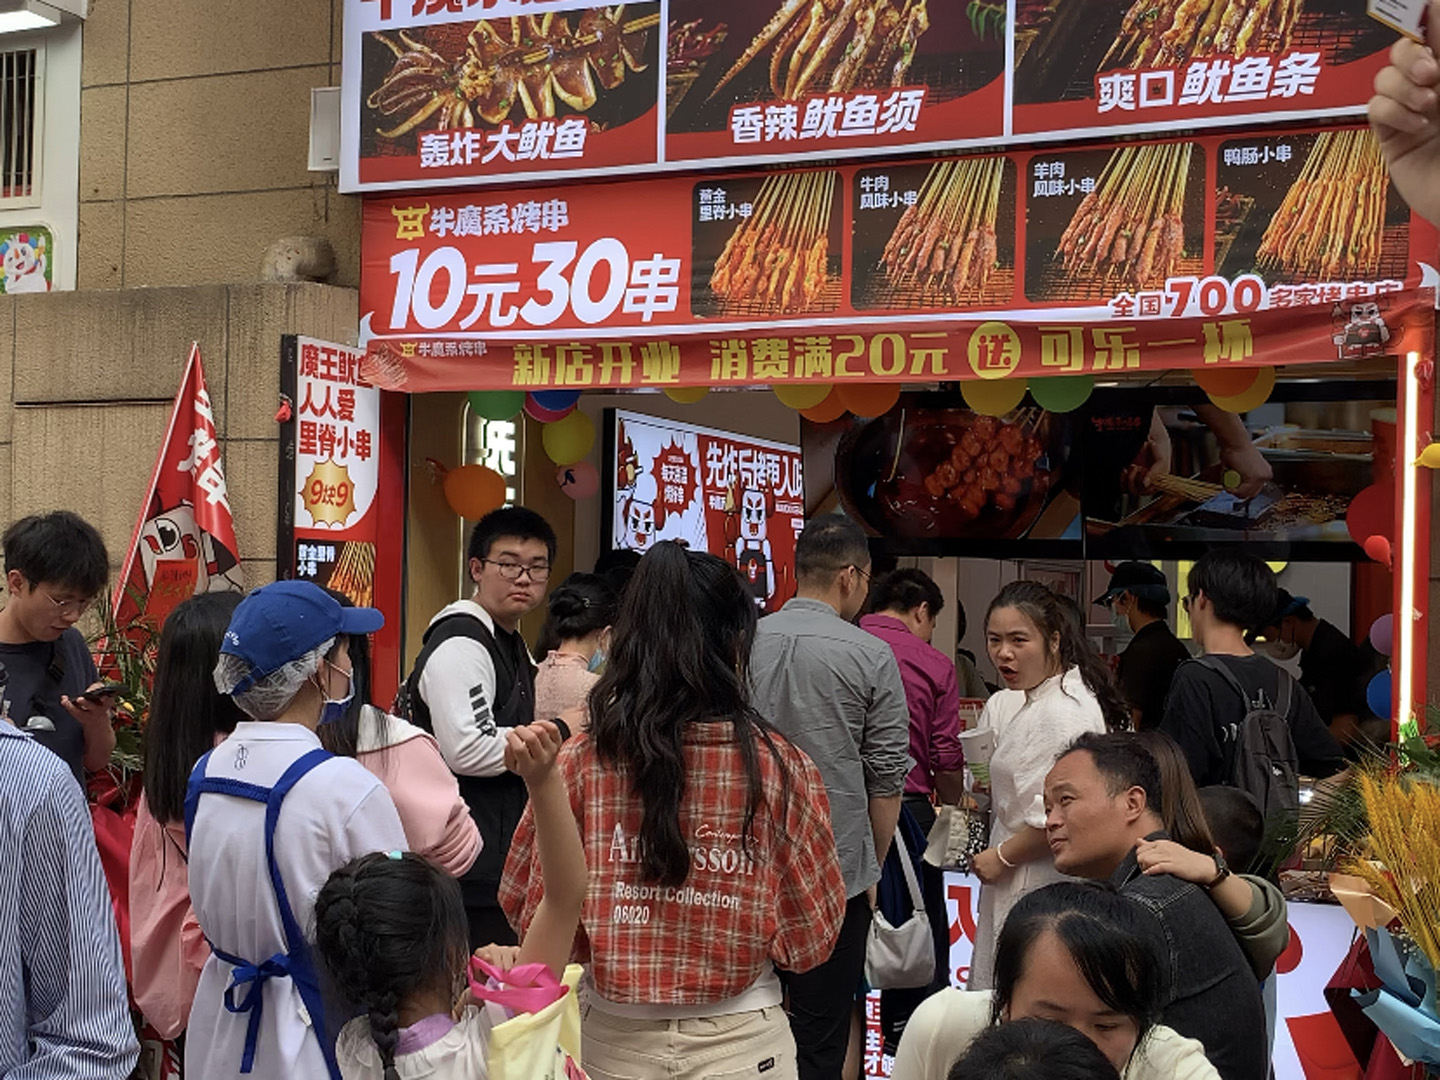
<point>868,399</point>
<point>1062,393</point>
<point>579,481</point>
<point>496,404</point>
<point>829,409</point>
<point>993,397</point>
<point>1371,513</point>
<point>1252,398</point>
<point>1378,693</point>
<point>801,396</point>
<point>1378,548</point>
<point>1382,634</point>
<point>567,441</point>
<point>686,395</point>
<point>536,411</point>
<point>1429,457</point>
<point>1225,381</point>
<point>473,490</point>
<point>556,400</point>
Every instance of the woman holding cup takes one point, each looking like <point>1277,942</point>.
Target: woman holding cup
<point>1056,688</point>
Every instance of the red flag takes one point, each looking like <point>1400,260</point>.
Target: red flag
<point>184,540</point>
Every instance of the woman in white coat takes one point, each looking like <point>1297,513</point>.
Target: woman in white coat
<point>1056,688</point>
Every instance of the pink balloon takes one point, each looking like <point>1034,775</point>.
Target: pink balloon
<point>579,481</point>
<point>1382,634</point>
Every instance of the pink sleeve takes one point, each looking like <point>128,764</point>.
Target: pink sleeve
<point>167,947</point>
<point>946,754</point>
<point>437,822</point>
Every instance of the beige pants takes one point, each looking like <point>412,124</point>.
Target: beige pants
<point>749,1044</point>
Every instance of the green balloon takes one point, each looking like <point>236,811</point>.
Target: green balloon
<point>496,404</point>
<point>1061,393</point>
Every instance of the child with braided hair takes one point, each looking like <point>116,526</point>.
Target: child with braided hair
<point>391,933</point>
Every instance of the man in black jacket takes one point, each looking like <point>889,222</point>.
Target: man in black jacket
<point>1139,600</point>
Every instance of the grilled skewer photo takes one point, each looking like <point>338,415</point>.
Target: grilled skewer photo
<point>1169,33</point>
<point>946,241</point>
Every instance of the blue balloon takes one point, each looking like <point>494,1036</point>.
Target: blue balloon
<point>1377,695</point>
<point>555,400</point>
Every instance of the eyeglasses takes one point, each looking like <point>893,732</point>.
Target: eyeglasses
<point>863,573</point>
<point>511,571</point>
<point>69,607</point>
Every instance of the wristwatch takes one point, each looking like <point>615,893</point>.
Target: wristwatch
<point>1222,870</point>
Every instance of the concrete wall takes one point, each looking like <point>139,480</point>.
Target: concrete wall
<point>194,126</point>
<point>87,380</point>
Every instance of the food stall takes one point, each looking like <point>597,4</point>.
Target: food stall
<point>700,246</point>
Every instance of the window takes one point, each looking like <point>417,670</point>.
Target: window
<point>20,95</point>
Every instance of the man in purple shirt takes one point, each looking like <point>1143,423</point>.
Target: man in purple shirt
<point>904,605</point>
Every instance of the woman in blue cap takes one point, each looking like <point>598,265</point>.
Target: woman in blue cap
<point>269,815</point>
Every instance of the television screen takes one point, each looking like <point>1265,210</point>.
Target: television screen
<point>931,477</point>
<point>734,496</point>
<point>1167,474</point>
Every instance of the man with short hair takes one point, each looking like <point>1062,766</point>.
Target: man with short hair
<point>65,1015</point>
<point>835,692</point>
<point>1231,593</point>
<point>904,604</point>
<point>55,567</point>
<point>1139,603</point>
<point>1101,804</point>
<point>474,680</point>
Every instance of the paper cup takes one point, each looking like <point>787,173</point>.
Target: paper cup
<point>978,745</point>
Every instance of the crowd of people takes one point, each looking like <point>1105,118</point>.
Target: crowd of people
<point>692,802</point>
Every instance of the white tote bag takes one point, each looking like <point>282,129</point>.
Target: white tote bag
<point>901,957</point>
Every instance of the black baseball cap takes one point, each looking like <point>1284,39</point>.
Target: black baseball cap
<point>1285,605</point>
<point>1140,579</point>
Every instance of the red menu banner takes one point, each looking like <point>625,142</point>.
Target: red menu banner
<point>1201,229</point>
<point>456,93</point>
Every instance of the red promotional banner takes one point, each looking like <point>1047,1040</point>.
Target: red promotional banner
<point>1195,228</point>
<point>458,93</point>
<point>184,540</point>
<point>1026,345</point>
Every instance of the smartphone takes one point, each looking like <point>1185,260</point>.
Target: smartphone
<point>100,693</point>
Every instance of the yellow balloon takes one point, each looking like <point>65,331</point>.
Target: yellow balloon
<point>1257,395</point>
<point>802,395</point>
<point>993,397</point>
<point>686,395</point>
<point>568,440</point>
<point>1430,457</point>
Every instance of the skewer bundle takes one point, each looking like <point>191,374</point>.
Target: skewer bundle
<point>1332,222</point>
<point>1130,227</point>
<point>777,259</point>
<point>1171,32</point>
<point>946,240</point>
<point>354,573</point>
<point>813,53</point>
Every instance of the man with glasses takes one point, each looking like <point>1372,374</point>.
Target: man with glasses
<point>55,566</point>
<point>835,692</point>
<point>474,680</point>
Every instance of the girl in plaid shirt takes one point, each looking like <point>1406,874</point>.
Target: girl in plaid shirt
<point>707,836</point>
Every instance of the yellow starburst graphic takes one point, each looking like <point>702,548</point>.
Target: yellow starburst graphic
<point>329,493</point>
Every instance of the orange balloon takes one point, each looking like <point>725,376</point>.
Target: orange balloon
<point>1252,398</point>
<point>1225,382</point>
<point>868,399</point>
<point>828,410</point>
<point>473,491</point>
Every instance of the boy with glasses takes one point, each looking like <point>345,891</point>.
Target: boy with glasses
<point>474,680</point>
<point>55,567</point>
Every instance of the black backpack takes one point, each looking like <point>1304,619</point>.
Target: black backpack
<point>409,705</point>
<point>1260,749</point>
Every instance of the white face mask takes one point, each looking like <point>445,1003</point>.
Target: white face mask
<point>1120,620</point>
<point>1280,650</point>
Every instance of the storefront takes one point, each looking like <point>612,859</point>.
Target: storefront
<point>664,275</point>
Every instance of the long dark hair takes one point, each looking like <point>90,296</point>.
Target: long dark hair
<point>680,655</point>
<point>1180,807</point>
<point>1032,1049</point>
<point>1101,931</point>
<point>186,711</point>
<point>342,737</point>
<point>583,604</point>
<point>387,928</point>
<point>1043,608</point>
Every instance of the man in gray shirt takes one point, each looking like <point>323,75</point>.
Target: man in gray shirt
<point>835,692</point>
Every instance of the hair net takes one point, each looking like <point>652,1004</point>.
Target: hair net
<point>272,693</point>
